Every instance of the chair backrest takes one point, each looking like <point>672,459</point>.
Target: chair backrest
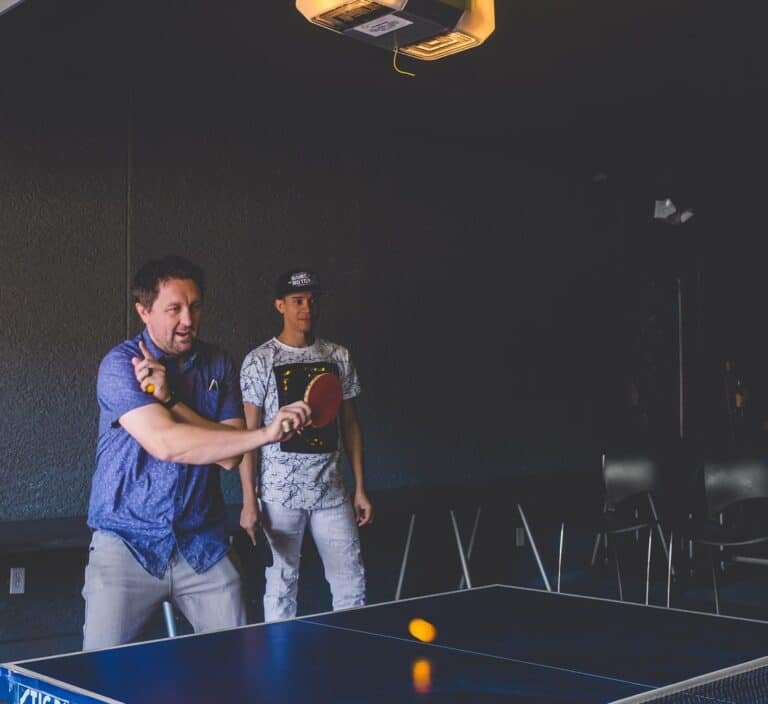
<point>731,481</point>
<point>627,476</point>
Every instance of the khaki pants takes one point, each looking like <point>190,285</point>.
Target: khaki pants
<point>120,595</point>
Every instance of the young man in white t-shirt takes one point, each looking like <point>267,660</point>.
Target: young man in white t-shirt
<point>299,482</point>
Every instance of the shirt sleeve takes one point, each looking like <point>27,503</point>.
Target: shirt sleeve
<point>253,380</point>
<point>350,383</point>
<point>232,401</point>
<point>117,389</point>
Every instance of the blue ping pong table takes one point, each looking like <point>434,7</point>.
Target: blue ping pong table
<point>493,644</point>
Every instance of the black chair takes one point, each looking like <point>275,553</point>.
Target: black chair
<point>735,515</point>
<point>629,485</point>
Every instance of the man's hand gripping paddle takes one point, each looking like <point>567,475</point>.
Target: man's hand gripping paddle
<point>323,396</point>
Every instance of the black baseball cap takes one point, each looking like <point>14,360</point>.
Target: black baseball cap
<point>296,281</point>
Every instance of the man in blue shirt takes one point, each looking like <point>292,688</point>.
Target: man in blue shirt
<point>170,416</point>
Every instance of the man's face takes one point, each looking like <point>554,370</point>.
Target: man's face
<point>173,320</point>
<point>299,311</point>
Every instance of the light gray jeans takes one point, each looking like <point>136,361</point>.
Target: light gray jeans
<point>335,533</point>
<point>120,595</point>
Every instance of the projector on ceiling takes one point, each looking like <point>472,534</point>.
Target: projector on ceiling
<point>422,29</point>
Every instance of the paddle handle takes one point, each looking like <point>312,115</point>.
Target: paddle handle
<point>286,425</point>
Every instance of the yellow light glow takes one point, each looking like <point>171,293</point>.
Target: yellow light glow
<point>478,20</point>
<point>439,46</point>
<point>473,28</point>
<point>336,14</point>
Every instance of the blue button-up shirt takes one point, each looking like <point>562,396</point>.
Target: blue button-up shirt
<point>155,506</point>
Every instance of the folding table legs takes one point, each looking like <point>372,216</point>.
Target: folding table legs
<point>462,556</point>
<point>170,621</point>
<point>534,549</point>
<point>400,580</point>
<point>465,555</point>
<point>470,547</point>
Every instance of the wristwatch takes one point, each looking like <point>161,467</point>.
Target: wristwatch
<point>171,402</point>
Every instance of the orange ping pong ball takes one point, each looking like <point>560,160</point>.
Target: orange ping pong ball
<point>422,630</point>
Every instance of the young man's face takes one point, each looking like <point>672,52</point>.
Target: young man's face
<point>299,311</point>
<point>173,320</point>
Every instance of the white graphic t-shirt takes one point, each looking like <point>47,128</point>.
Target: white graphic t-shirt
<point>304,472</point>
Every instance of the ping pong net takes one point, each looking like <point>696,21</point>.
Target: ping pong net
<point>743,684</point>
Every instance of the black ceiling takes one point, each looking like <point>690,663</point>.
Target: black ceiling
<point>590,53</point>
<point>670,89</point>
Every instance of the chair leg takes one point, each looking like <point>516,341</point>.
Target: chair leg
<point>596,547</point>
<point>618,568</point>
<point>669,567</point>
<point>660,532</point>
<point>400,580</point>
<point>599,536</point>
<point>560,555</point>
<point>690,558</point>
<point>714,580</point>
<point>648,566</point>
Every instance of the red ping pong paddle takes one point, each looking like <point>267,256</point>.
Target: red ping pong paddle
<point>323,396</point>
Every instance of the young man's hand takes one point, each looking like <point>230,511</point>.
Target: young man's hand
<point>363,508</point>
<point>250,519</point>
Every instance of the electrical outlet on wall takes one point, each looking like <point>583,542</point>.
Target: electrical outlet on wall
<point>18,580</point>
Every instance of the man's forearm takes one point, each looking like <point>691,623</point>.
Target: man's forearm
<point>187,444</point>
<point>184,414</point>
<point>153,427</point>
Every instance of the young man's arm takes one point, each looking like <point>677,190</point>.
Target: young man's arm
<point>155,429</point>
<point>249,516</point>
<point>353,444</point>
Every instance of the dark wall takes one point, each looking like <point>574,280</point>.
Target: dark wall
<point>484,228</point>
